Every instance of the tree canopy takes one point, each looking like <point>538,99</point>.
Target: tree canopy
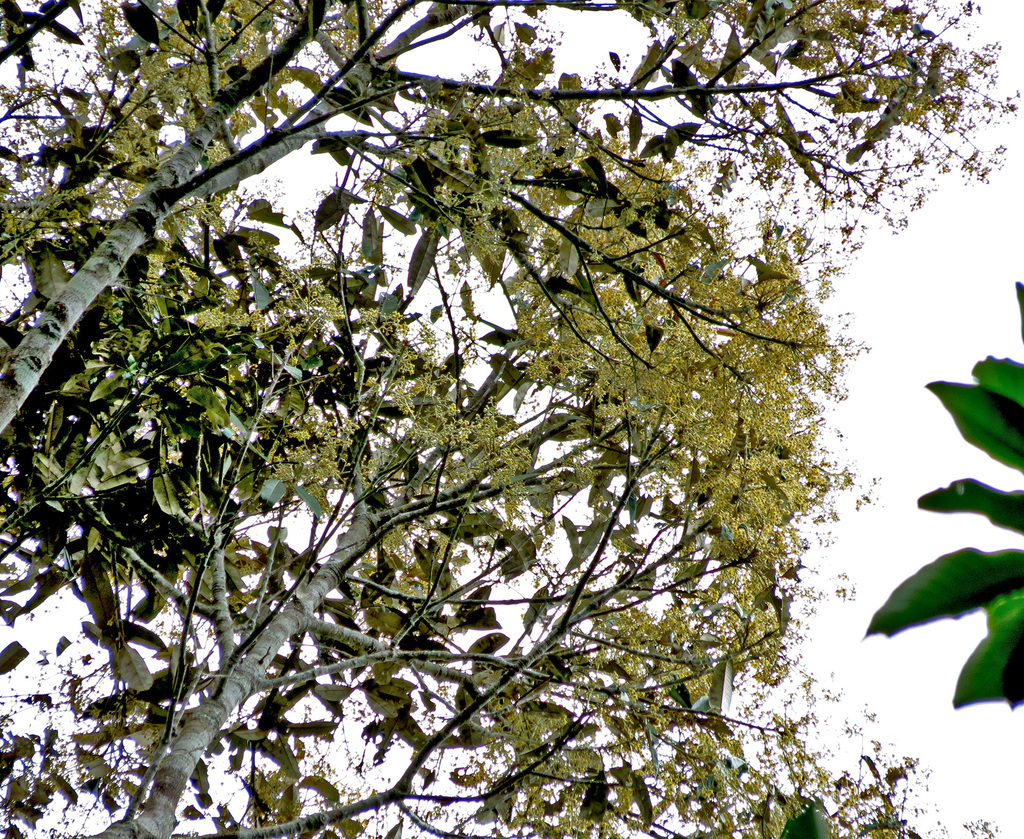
<point>457,481</point>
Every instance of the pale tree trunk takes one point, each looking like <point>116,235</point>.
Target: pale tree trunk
<point>170,186</point>
<point>156,818</point>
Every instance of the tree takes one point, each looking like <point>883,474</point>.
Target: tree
<point>468,496</point>
<point>990,415</point>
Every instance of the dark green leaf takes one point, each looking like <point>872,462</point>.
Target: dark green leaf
<point>810,823</point>
<point>142,20</point>
<point>991,422</point>
<point>1005,509</point>
<point>595,798</point>
<point>503,138</point>
<point>951,586</point>
<point>995,669</point>
<point>1001,376</point>
<point>1020,305</point>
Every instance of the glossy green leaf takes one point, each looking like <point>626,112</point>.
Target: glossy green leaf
<point>994,671</point>
<point>1001,376</point>
<point>810,823</point>
<point>949,587</point>
<point>987,420</point>
<point>1005,509</point>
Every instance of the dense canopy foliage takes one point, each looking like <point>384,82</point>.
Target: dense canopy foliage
<point>454,480</point>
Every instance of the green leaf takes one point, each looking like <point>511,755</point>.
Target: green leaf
<point>1020,305</point>
<point>260,295</point>
<point>949,587</point>
<point>1001,376</point>
<point>987,420</point>
<point>810,823</point>
<point>164,492</point>
<point>1004,509</point>
<point>994,670</point>
<point>273,491</point>
<point>214,408</point>
<point>311,502</point>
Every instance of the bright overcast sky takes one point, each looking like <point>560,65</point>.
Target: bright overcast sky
<point>930,301</point>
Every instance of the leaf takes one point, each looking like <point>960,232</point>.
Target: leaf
<point>489,644</point>
<point>809,823</point>
<point>733,52</point>
<point>336,147</point>
<point>949,587</point>
<point>278,750</point>
<point>97,592</point>
<point>506,139</point>
<point>1020,305</point>
<point>11,656</point>
<point>422,260</point>
<point>164,493</point>
<point>636,128</point>
<point>333,208</point>
<point>645,72</point>
<point>63,33</point>
<point>766,271</point>
<point>398,221</point>
<point>991,422</point>
<point>653,334</point>
<point>321,785</point>
<point>1001,376</point>
<point>720,696</point>
<point>1004,509</point>
<point>214,408</point>
<point>595,798</point>
<point>311,502</point>
<point>260,295</point>
<point>46,271</point>
<point>273,491</point>
<point>373,241</point>
<point>995,670</point>
<point>130,667</point>
<point>142,21</point>
<point>642,797</point>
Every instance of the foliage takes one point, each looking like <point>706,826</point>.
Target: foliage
<point>990,415</point>
<point>471,495</point>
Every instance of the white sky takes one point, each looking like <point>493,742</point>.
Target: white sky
<point>930,301</point>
